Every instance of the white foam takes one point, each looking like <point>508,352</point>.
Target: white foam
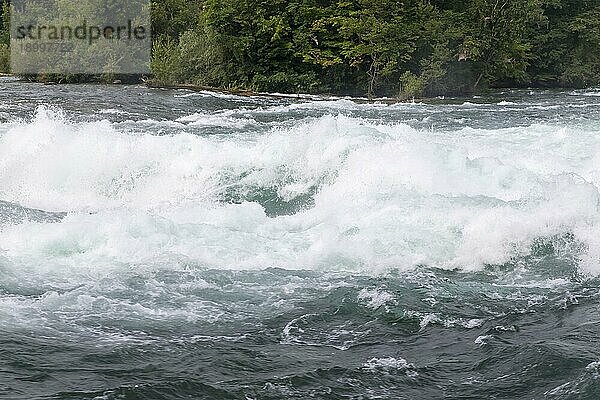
<point>483,340</point>
<point>389,196</point>
<point>221,119</point>
<point>113,111</point>
<point>588,93</point>
<point>389,364</point>
<point>375,298</point>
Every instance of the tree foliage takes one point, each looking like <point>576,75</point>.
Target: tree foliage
<point>388,47</point>
<point>399,48</point>
<point>4,36</point>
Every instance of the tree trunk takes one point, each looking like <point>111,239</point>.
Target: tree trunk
<point>478,81</point>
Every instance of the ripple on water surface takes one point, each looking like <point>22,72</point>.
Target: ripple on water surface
<point>220,247</point>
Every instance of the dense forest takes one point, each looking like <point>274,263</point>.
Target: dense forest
<point>384,47</point>
<point>4,36</point>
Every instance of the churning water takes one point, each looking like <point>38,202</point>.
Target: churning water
<point>166,244</point>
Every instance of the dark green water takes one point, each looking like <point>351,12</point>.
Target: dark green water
<point>159,244</point>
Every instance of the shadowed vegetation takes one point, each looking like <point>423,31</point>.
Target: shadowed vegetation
<point>375,48</point>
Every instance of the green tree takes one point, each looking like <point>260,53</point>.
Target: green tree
<point>173,17</point>
<point>4,35</point>
<point>497,41</point>
<point>398,48</point>
<point>584,70</point>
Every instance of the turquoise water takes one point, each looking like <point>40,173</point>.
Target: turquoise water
<point>167,244</point>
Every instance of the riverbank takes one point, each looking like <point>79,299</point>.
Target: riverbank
<point>297,96</point>
<point>232,92</point>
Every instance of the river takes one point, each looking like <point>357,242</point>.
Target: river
<point>169,244</point>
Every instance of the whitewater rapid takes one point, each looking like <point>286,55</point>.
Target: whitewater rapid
<point>167,244</point>
<point>334,191</point>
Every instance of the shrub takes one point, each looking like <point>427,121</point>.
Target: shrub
<point>165,64</point>
<point>4,58</point>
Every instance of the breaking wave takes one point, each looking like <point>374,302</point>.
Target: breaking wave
<point>326,192</point>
